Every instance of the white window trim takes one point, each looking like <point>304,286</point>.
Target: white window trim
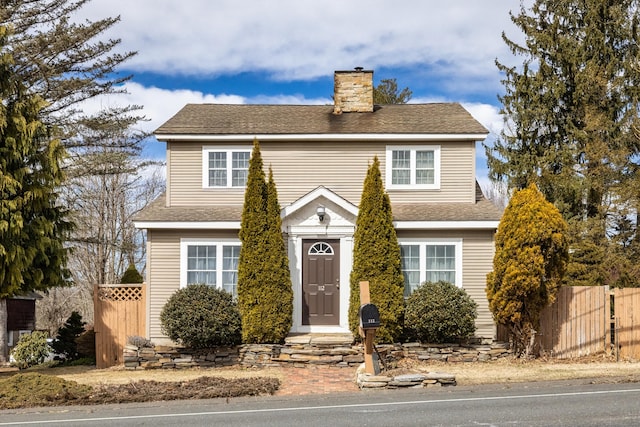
<point>21,332</point>
<point>413,149</point>
<point>423,243</point>
<point>225,149</point>
<point>219,243</point>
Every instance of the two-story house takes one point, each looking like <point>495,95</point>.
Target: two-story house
<point>319,156</point>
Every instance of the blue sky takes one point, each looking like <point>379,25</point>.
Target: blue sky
<point>285,51</point>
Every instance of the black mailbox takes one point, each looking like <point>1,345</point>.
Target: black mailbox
<point>369,316</point>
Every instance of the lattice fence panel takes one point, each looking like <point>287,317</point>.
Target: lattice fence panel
<point>128,293</point>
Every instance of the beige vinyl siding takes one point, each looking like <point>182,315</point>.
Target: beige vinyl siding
<point>163,264</point>
<point>300,167</point>
<point>478,250</point>
<point>477,261</point>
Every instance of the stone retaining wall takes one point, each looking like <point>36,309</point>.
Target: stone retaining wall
<point>304,352</point>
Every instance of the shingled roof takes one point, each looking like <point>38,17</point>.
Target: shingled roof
<point>482,210</point>
<point>248,119</point>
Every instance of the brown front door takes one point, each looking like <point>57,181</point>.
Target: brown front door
<point>321,282</point>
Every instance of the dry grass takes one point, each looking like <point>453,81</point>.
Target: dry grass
<point>43,387</point>
<point>117,375</point>
<point>515,370</point>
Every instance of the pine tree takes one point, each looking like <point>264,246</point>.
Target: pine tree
<point>387,93</point>
<point>61,59</point>
<point>65,342</point>
<point>528,265</point>
<point>65,61</point>
<point>572,107</point>
<point>265,298</point>
<point>376,258</point>
<point>32,225</point>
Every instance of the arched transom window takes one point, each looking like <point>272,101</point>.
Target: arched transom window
<point>321,248</point>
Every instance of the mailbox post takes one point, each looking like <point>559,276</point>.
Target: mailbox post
<point>369,323</point>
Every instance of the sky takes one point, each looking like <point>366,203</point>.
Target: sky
<point>285,52</point>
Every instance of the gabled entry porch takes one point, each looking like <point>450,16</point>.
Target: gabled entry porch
<point>319,228</point>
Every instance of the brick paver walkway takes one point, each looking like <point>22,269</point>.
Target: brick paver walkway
<point>317,380</point>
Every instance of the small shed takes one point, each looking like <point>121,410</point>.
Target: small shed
<point>21,316</point>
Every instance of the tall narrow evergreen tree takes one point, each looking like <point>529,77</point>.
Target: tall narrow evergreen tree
<point>265,298</point>
<point>32,225</point>
<point>376,258</point>
<point>528,265</point>
<point>277,277</point>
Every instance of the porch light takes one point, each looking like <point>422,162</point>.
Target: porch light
<point>321,212</point>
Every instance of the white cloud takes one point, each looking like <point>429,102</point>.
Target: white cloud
<point>294,39</point>
<point>488,115</point>
<point>158,104</point>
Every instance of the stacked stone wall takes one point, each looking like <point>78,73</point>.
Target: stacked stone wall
<point>303,354</point>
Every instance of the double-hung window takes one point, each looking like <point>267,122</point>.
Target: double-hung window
<point>213,263</point>
<point>413,167</point>
<point>224,168</point>
<point>431,261</point>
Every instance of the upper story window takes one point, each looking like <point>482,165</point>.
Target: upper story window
<point>431,261</point>
<point>225,167</point>
<point>413,167</point>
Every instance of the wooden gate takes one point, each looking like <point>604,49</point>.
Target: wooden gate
<point>119,312</point>
<point>627,322</point>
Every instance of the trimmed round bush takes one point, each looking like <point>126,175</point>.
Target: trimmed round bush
<point>201,316</point>
<point>440,313</point>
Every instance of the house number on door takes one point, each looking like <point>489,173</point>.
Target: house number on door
<point>320,287</point>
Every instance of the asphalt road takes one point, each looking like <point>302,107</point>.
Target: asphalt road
<point>531,404</point>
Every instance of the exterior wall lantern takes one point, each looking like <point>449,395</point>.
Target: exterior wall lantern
<point>321,213</point>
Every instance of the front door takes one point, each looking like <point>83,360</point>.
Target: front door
<point>321,282</point>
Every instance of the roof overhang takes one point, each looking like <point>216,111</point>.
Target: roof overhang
<point>446,225</point>
<point>399,225</point>
<point>188,225</point>
<point>392,137</point>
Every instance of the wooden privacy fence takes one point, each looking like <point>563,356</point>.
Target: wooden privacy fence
<point>119,312</point>
<point>580,322</point>
<point>627,322</point>
<point>577,324</point>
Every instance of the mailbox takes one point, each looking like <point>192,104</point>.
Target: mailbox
<point>369,316</point>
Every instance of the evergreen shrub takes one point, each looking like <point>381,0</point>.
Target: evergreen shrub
<point>440,313</point>
<point>65,343</point>
<point>528,265</point>
<point>201,316</point>
<point>31,350</point>
<point>131,275</point>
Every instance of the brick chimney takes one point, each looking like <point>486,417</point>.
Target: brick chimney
<point>353,91</point>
